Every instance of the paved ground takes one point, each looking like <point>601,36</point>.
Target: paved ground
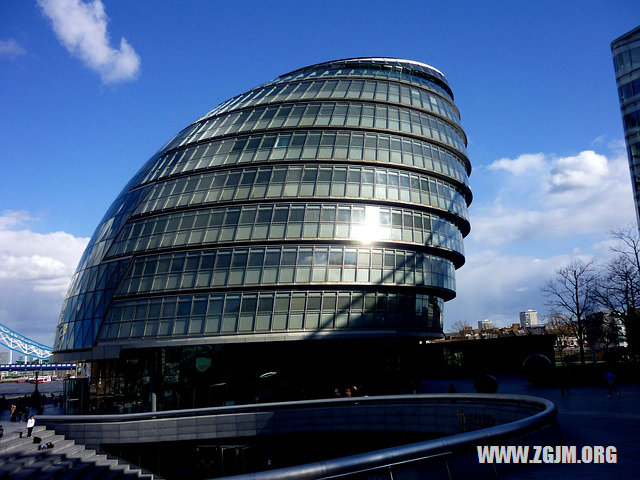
<point>14,427</point>
<point>588,416</point>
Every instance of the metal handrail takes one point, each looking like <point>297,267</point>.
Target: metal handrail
<point>404,453</point>
<point>527,400</point>
<point>388,465</point>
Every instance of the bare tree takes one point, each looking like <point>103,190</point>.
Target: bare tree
<point>618,289</point>
<point>563,330</point>
<point>628,246</point>
<point>570,295</point>
<point>460,326</point>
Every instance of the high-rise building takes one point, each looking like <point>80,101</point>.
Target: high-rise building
<point>485,324</point>
<point>626,61</point>
<point>528,318</point>
<point>301,236</point>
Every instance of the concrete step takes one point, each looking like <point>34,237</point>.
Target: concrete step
<point>20,444</point>
<point>20,459</point>
<point>73,451</point>
<point>25,465</point>
<point>10,439</point>
<point>13,466</point>
<point>58,469</point>
<point>99,472</point>
<point>10,436</point>
<point>79,472</point>
<point>103,460</point>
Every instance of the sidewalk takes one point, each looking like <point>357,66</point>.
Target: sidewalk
<point>14,427</point>
<point>588,416</point>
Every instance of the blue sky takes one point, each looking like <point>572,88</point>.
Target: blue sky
<point>534,83</point>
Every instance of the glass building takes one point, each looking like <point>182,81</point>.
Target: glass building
<point>301,236</point>
<point>626,61</point>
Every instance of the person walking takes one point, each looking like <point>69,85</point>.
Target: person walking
<point>30,424</point>
<point>611,383</point>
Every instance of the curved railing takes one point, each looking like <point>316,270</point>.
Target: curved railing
<point>514,415</point>
<point>389,457</point>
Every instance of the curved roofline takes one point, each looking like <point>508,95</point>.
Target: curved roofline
<point>625,36</point>
<point>397,59</point>
<point>436,75</point>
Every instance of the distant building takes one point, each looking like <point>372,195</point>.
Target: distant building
<point>5,357</point>
<point>485,325</point>
<point>626,61</point>
<point>528,318</point>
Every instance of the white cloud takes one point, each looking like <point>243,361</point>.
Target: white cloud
<point>82,29</point>
<point>35,270</point>
<point>540,203</point>
<point>10,48</point>
<point>585,170</point>
<point>520,165</point>
<point>566,196</point>
<point>10,218</point>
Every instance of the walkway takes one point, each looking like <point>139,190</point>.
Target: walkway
<point>588,416</point>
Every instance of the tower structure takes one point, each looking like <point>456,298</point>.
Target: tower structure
<point>626,61</point>
<point>320,213</point>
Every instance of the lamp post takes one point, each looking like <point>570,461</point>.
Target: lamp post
<point>36,401</point>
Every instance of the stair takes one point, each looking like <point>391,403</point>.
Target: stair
<point>20,459</point>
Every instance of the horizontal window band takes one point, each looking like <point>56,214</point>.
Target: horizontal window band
<point>462,223</point>
<point>439,116</point>
<point>358,129</point>
<point>242,267</point>
<point>413,120</point>
<point>443,293</point>
<point>423,88</point>
<point>236,313</point>
<point>464,188</point>
<point>457,258</point>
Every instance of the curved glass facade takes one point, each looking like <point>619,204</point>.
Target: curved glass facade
<point>331,200</point>
<point>626,61</point>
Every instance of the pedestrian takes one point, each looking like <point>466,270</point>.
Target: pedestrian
<point>563,382</point>
<point>611,383</point>
<point>30,424</point>
<point>12,412</point>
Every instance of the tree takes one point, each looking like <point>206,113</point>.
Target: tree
<point>460,326</point>
<point>618,289</point>
<point>570,295</point>
<point>562,330</point>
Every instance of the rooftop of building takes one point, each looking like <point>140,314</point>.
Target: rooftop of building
<point>631,35</point>
<point>419,68</point>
